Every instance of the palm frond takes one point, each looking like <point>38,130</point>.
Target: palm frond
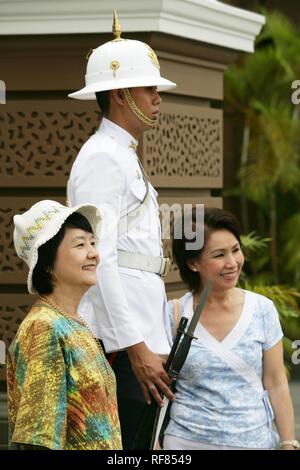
<point>291,247</point>
<point>283,35</point>
<point>253,242</point>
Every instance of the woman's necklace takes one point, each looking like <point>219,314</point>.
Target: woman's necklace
<point>109,373</point>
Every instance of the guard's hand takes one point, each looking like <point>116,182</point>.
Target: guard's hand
<point>149,371</point>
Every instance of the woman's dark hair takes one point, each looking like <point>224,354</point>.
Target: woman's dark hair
<point>42,274</point>
<point>103,100</point>
<point>214,219</point>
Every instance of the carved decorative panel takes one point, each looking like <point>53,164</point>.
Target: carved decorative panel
<point>185,149</point>
<point>39,140</point>
<point>12,269</point>
<point>13,309</point>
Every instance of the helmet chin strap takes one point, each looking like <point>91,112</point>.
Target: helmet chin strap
<point>136,110</point>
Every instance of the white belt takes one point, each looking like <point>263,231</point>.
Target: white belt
<point>152,264</point>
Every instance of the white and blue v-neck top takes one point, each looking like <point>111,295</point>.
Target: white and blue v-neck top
<point>216,399</point>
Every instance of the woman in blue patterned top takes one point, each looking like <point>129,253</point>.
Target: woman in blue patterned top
<point>233,383</point>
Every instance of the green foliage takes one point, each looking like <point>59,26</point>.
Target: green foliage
<point>257,258</point>
<point>246,86</point>
<point>252,242</point>
<point>259,88</point>
<point>285,298</point>
<point>280,31</point>
<point>274,146</point>
<point>290,249</point>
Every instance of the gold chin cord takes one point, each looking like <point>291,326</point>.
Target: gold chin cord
<point>139,114</point>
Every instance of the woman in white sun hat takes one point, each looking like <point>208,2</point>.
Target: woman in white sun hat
<point>61,389</point>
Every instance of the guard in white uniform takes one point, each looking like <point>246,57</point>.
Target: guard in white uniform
<point>127,308</point>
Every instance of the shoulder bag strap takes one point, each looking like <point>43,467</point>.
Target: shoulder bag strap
<point>176,315</point>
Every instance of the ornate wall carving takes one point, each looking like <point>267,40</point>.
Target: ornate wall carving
<point>186,147</point>
<point>39,141</point>
<point>10,264</point>
<point>13,310</point>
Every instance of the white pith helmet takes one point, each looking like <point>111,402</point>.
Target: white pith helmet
<point>121,63</point>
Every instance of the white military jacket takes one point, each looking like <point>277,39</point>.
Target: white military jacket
<point>127,305</point>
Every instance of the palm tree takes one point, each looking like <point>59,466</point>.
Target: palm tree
<point>259,88</point>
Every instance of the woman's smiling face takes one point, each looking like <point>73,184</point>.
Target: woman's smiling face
<point>221,260</point>
<point>76,259</point>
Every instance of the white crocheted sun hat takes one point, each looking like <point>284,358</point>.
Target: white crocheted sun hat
<point>42,222</point>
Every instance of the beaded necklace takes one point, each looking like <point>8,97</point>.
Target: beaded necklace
<point>109,383</point>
